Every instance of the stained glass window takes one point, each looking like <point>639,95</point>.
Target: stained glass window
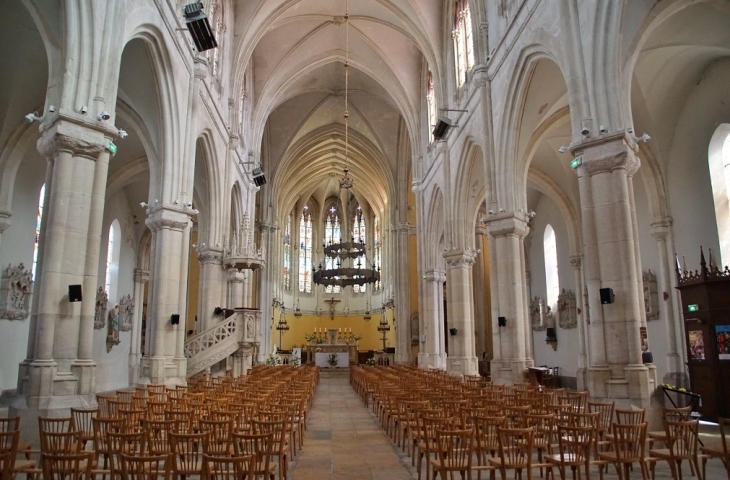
<point>38,219</point>
<point>550,250</point>
<point>287,254</point>
<point>358,230</point>
<point>376,249</point>
<point>463,41</point>
<point>332,235</point>
<point>305,251</point>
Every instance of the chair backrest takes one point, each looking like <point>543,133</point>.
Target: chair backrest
<point>605,411</point>
<point>275,427</point>
<point>75,466</point>
<point>61,442</point>
<point>543,427</point>
<point>9,444</point>
<point>103,402</point>
<point>575,443</point>
<point>677,414</point>
<point>158,436</point>
<point>258,445</point>
<point>515,447</point>
<point>220,431</point>
<point>153,467</point>
<point>131,443</point>
<point>486,432</point>
<point>54,424</point>
<point>187,450</point>
<point>9,424</point>
<point>102,426</point>
<point>82,420</point>
<point>724,432</point>
<point>629,441</point>
<point>516,416</point>
<point>228,468</point>
<point>630,417</point>
<point>682,438</point>
<point>455,449</point>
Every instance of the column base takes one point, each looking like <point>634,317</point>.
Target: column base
<point>462,365</point>
<point>510,371</point>
<point>431,360</point>
<point>134,368</point>
<point>163,371</point>
<point>85,372</point>
<point>635,388</point>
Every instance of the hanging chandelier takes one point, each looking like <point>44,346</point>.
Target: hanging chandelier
<point>343,252</point>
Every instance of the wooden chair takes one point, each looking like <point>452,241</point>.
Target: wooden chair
<point>151,467</point>
<point>187,453</point>
<point>630,417</point>
<point>103,402</point>
<point>82,419</point>
<point>54,424</point>
<point>158,436</point>
<point>721,451</point>
<point>228,468</point>
<point>58,443</point>
<point>455,449</point>
<point>9,441</point>
<point>12,424</point>
<point>131,443</point>
<point>279,446</point>
<point>605,418</point>
<point>427,439</point>
<point>126,395</point>
<point>670,415</point>
<point>102,428</point>
<point>76,466</point>
<point>574,450</point>
<point>219,436</point>
<point>515,451</point>
<point>259,447</point>
<point>629,443</point>
<point>682,444</point>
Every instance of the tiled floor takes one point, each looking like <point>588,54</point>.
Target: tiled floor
<point>344,441</point>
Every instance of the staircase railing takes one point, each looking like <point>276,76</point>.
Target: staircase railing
<point>214,344</point>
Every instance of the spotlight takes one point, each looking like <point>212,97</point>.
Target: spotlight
<point>104,115</point>
<point>442,126</point>
<point>531,214</point>
<point>122,133</point>
<point>32,117</point>
<point>199,27</point>
<point>84,110</point>
<point>51,108</point>
<point>644,138</point>
<point>562,149</point>
<point>258,177</point>
<point>491,212</point>
<point>144,204</point>
<point>602,130</point>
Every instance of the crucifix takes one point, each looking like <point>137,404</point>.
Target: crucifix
<point>332,302</point>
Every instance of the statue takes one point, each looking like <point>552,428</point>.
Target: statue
<point>415,333</point>
<point>112,337</point>
<point>16,287</point>
<point>101,301</point>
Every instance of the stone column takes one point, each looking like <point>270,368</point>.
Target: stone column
<point>235,288</point>
<point>611,261</point>
<point>211,286</point>
<point>462,359</point>
<point>575,261</point>
<point>509,297</point>
<point>62,373</point>
<point>169,225</point>
<point>433,354</point>
<point>481,315</point>
<point>675,369</point>
<point>140,278</point>
<point>402,296</point>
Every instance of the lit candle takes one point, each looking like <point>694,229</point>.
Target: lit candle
<point>350,329</point>
<point>315,329</point>
<point>339,330</point>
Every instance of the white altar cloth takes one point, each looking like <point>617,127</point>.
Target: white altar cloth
<point>343,359</point>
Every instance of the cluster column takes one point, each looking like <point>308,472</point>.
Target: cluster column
<point>512,351</point>
<point>140,278</point>
<point>433,351</point>
<point>403,332</point>
<point>611,260</point>
<point>462,358</point>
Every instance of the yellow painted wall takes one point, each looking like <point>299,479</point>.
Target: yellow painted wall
<point>368,329</point>
<point>193,282</point>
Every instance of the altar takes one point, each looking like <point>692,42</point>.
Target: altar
<point>322,360</point>
<point>349,353</point>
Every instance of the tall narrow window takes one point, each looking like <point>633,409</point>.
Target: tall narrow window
<point>463,41</point>
<point>112,260</point>
<point>38,218</point>
<point>719,163</point>
<point>376,249</point>
<point>358,230</point>
<point>550,251</point>
<point>287,254</point>
<point>332,235</point>
<point>431,102</point>
<point>305,251</point>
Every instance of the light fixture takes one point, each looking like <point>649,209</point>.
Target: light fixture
<point>383,327</point>
<point>442,126</point>
<point>298,311</point>
<point>342,252</point>
<point>199,27</point>
<point>33,117</point>
<point>282,326</point>
<point>103,116</point>
<point>122,133</point>
<point>563,149</point>
<point>258,177</point>
<point>644,138</point>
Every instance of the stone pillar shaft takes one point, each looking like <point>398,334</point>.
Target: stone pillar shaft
<point>432,351</point>
<point>235,288</point>
<point>402,296</point>
<point>140,278</point>
<point>462,358</point>
<point>211,286</point>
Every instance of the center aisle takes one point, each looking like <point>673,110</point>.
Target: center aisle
<point>344,441</point>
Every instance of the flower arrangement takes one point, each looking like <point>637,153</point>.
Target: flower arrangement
<point>370,362</point>
<point>274,359</point>
<point>294,362</point>
<point>332,359</point>
<point>356,337</point>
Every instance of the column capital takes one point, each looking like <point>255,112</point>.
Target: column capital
<point>506,224</point>
<point>660,228</point>
<point>5,220</point>
<point>460,258</point>
<point>141,276</point>
<point>210,256</point>
<point>607,153</point>
<point>435,276</point>
<point>167,217</point>
<point>576,260</point>
<point>70,135</point>
<point>234,275</point>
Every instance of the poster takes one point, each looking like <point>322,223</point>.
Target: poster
<point>723,341</point>
<point>696,345</point>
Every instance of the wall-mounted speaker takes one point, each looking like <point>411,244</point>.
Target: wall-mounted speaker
<point>452,331</point>
<point>607,295</point>
<point>175,319</point>
<point>647,357</point>
<point>74,293</point>
<point>502,321</point>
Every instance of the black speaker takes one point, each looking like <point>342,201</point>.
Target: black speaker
<point>606,295</point>
<point>175,319</point>
<point>74,293</point>
<point>502,321</point>
<point>647,357</point>
<point>550,333</point>
<point>452,331</point>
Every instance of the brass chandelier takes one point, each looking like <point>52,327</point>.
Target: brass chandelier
<point>342,252</point>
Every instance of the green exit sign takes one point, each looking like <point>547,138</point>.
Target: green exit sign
<point>693,308</point>
<point>576,162</point>
<point>112,148</point>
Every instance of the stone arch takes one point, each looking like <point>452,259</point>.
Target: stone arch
<point>545,185</point>
<point>436,223</point>
<point>206,184</point>
<point>470,192</point>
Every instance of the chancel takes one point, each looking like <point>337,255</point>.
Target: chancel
<point>521,200</point>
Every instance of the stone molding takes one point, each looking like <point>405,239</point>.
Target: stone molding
<point>435,276</point>
<point>66,135</point>
<point>608,153</point>
<point>505,224</point>
<point>141,276</point>
<point>210,256</point>
<point>460,258</point>
<point>165,217</point>
<point>576,261</point>
<point>5,220</point>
